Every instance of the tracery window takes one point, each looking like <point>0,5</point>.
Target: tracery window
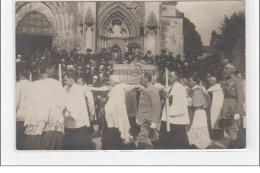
<point>117,29</point>
<point>152,22</point>
<point>34,23</point>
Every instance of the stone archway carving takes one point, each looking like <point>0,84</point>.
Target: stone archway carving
<point>120,11</point>
<point>39,7</point>
<point>89,19</point>
<point>35,23</point>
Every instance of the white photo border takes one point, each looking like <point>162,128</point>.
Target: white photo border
<point>10,156</point>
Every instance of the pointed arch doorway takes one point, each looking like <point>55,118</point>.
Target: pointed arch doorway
<point>118,27</point>
<point>34,33</point>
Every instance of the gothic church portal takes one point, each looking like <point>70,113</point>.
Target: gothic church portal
<point>95,25</point>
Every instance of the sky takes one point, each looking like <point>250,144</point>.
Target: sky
<point>207,16</point>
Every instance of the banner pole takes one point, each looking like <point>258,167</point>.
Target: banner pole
<point>167,102</point>
<point>30,76</point>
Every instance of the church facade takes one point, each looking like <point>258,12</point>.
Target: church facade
<point>94,25</point>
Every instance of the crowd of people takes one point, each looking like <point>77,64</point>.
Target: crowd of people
<point>89,65</point>
<point>206,101</point>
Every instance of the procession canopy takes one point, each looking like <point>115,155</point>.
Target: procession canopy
<point>131,73</point>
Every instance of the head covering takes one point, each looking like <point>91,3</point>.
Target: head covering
<point>95,77</point>
<point>114,78</point>
<point>149,51</point>
<point>75,49</point>
<point>102,67</point>
<point>70,67</point>
<point>89,50</point>
<point>164,51</point>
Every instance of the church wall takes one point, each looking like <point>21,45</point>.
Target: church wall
<point>178,32</point>
<point>67,19</point>
<point>151,37</point>
<point>171,29</point>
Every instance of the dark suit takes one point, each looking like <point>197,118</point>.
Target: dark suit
<point>148,112</point>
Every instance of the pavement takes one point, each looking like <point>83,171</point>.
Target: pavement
<point>221,143</point>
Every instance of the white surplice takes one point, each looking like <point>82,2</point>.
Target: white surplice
<point>116,113</point>
<point>77,112</point>
<point>178,110</point>
<point>216,106</point>
<point>44,107</point>
<point>21,89</point>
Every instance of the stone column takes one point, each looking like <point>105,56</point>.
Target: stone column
<point>87,13</point>
<point>89,34</point>
<point>151,40</point>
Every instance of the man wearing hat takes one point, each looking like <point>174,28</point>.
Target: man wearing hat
<point>101,58</point>
<point>90,72</point>
<point>101,98</point>
<point>88,56</point>
<point>46,53</point>
<point>148,58</point>
<point>139,56</point>
<point>54,56</point>
<point>233,106</point>
<point>130,57</point>
<point>161,60</point>
<point>19,58</point>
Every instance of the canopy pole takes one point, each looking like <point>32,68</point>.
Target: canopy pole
<point>60,74</point>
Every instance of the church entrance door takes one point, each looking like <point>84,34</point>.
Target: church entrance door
<point>34,33</point>
<point>32,43</point>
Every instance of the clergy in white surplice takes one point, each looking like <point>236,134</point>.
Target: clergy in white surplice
<point>44,119</point>
<point>217,102</point>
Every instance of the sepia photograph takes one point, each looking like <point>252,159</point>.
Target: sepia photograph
<point>130,75</point>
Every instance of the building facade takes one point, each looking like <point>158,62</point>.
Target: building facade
<point>95,25</point>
